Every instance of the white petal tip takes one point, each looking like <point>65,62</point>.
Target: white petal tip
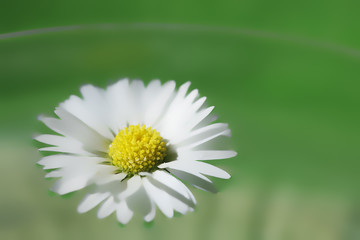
<point>40,117</point>
<point>223,174</point>
<point>143,174</point>
<point>163,165</point>
<point>100,216</point>
<point>169,214</point>
<point>35,136</point>
<point>227,176</point>
<point>81,210</point>
<point>172,82</point>
<point>124,220</point>
<point>59,191</point>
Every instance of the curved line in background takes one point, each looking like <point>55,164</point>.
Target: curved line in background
<point>37,31</point>
<point>353,52</point>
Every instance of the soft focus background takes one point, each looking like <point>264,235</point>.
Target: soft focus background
<point>283,74</point>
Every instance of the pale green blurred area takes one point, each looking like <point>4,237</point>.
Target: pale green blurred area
<point>285,77</point>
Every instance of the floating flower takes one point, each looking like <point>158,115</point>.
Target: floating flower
<point>134,144</point>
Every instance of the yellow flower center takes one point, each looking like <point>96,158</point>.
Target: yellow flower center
<point>137,149</point>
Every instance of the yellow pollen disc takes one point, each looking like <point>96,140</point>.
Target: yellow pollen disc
<point>137,149</point>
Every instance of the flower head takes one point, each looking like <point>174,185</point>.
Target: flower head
<point>134,145</point>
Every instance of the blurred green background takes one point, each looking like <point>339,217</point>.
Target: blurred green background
<point>283,74</point>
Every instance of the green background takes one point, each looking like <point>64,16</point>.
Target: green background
<point>283,74</point>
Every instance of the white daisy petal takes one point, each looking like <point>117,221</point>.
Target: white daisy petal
<point>161,199</point>
<point>53,161</point>
<point>180,203</point>
<point>133,184</point>
<point>191,195</point>
<point>62,144</point>
<point>201,133</point>
<point>70,184</point>
<point>92,200</point>
<point>75,172</point>
<point>198,167</point>
<point>96,109</point>
<point>61,160</point>
<point>171,182</point>
<point>136,102</point>
<point>187,199</point>
<point>107,208</point>
<point>150,93</point>
<point>201,115</point>
<point>117,98</point>
<point>150,216</point>
<point>186,155</point>
<point>113,187</point>
<point>54,174</point>
<point>225,133</point>
<point>106,174</point>
<point>209,119</point>
<point>140,202</point>
<point>158,102</point>
<point>184,115</point>
<point>152,88</point>
<point>87,113</point>
<point>192,96</point>
<point>198,104</point>
<point>183,90</point>
<point>194,180</point>
<point>71,126</point>
<point>182,166</point>
<point>123,213</point>
<point>175,116</point>
<point>179,206</point>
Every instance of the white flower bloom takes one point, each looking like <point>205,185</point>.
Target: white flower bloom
<point>134,143</point>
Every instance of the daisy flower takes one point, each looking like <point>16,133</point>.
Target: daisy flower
<point>135,145</point>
